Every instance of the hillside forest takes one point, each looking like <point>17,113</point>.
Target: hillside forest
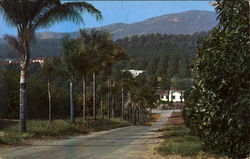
<point>161,55</point>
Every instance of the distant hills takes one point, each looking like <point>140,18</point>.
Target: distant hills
<point>180,23</point>
<point>190,22</point>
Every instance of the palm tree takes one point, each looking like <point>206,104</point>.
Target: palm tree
<point>142,97</point>
<point>99,44</point>
<point>28,16</point>
<point>125,83</point>
<point>102,89</point>
<point>92,42</point>
<point>115,53</point>
<point>101,52</point>
<point>48,69</point>
<point>114,92</point>
<point>72,56</point>
<point>83,64</point>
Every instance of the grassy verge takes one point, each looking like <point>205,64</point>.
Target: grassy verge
<point>179,141</point>
<point>42,129</point>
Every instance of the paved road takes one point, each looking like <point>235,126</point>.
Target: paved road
<point>134,142</point>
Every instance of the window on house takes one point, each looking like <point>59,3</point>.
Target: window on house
<point>173,97</point>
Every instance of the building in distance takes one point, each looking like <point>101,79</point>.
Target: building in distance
<point>172,96</point>
<point>135,73</point>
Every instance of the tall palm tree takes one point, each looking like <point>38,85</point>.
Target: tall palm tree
<point>99,44</point>
<point>102,89</point>
<point>92,42</point>
<point>74,61</point>
<point>48,69</point>
<point>125,83</point>
<point>114,93</point>
<point>115,53</point>
<point>83,64</point>
<point>28,16</point>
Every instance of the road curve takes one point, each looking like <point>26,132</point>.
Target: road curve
<point>134,142</point>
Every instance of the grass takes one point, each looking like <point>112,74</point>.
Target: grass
<point>42,129</point>
<point>178,141</point>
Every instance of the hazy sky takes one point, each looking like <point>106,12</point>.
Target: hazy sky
<point>122,12</point>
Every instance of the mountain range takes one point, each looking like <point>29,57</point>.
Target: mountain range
<point>187,22</point>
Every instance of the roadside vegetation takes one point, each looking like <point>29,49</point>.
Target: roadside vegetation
<point>43,129</point>
<point>216,112</point>
<point>179,140</point>
<point>220,114</point>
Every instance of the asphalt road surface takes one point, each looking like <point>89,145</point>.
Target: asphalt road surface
<point>134,142</point>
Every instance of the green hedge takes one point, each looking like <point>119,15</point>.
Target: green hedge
<point>218,105</point>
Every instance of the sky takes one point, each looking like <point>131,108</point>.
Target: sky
<point>121,12</point>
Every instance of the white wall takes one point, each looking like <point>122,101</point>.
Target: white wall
<point>173,96</point>
<point>164,98</point>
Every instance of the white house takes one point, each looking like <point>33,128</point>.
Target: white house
<point>172,95</point>
<point>10,61</point>
<point>39,60</point>
<point>135,73</point>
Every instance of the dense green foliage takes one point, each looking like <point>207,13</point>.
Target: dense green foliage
<point>220,116</point>
<point>160,54</point>
<point>38,98</point>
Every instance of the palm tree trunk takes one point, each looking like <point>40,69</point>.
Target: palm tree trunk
<point>138,115</point>
<point>49,95</point>
<point>135,110</point>
<point>128,109</point>
<point>113,107</point>
<point>134,114</point>
<point>122,103</point>
<point>72,107</point>
<point>23,101</point>
<point>84,97</point>
<point>102,109</point>
<point>131,114</point>
<point>94,96</point>
<point>108,96</point>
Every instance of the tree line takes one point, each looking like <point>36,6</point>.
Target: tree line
<point>159,54</point>
<point>80,83</point>
<point>86,55</point>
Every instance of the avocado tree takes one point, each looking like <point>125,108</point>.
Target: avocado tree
<point>220,114</point>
